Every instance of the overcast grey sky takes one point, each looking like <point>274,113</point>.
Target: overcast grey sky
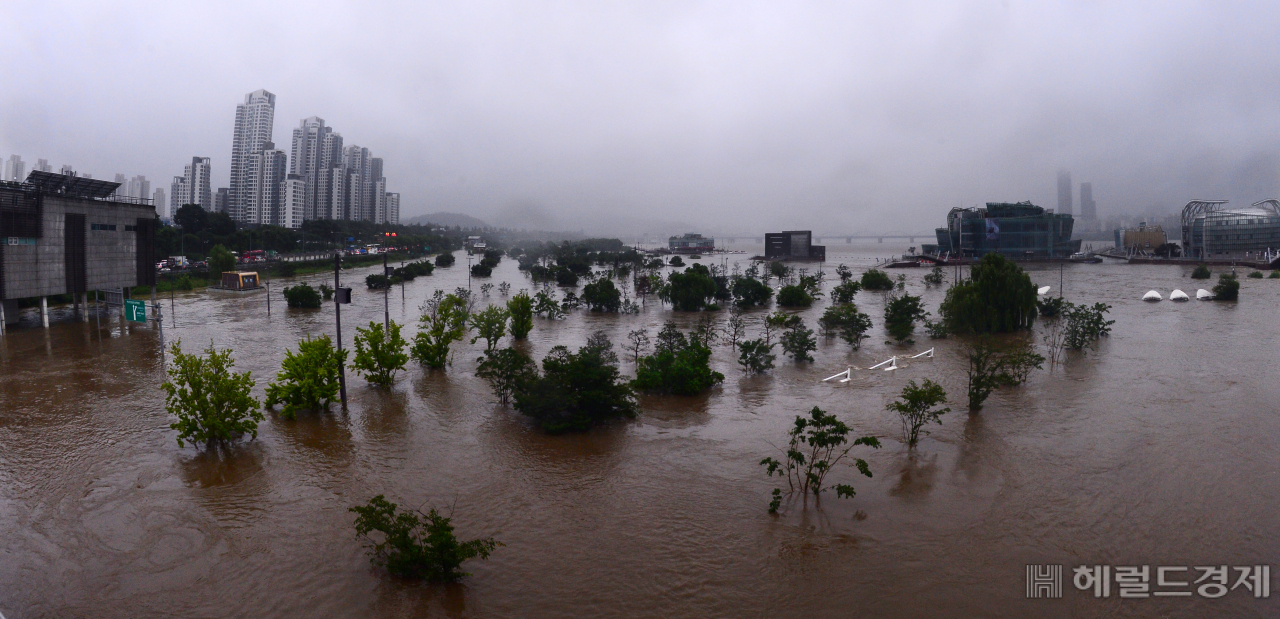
<point>728,116</point>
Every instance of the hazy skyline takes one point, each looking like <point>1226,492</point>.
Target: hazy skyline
<point>728,117</point>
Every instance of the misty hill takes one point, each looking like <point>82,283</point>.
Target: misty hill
<point>447,219</point>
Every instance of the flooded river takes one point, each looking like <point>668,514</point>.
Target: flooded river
<point>1161,449</point>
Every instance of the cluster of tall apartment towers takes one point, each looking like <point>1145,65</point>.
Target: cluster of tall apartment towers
<point>319,178</point>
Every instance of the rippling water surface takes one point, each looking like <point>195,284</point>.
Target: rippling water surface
<point>1159,449</point>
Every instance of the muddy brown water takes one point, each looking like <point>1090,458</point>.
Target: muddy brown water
<point>1158,449</point>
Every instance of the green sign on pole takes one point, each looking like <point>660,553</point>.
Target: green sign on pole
<point>135,310</point>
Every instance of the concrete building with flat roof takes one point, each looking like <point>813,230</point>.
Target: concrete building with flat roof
<point>65,235</point>
<point>793,245</point>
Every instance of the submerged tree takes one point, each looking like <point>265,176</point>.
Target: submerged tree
<point>901,314</point>
<point>1227,288</point>
<point>577,390</point>
<point>816,445</point>
<point>490,324</point>
<point>847,322</point>
<point>678,365</point>
<point>875,279</point>
<point>443,322</point>
<point>991,367</point>
<point>380,353</point>
<point>507,370</point>
<point>916,407</point>
<point>756,356</point>
<point>308,380</point>
<point>413,544</point>
<point>798,340</point>
<point>212,403</point>
<point>520,307</point>
<point>998,297</point>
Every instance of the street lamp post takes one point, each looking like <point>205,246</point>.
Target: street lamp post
<point>337,314</point>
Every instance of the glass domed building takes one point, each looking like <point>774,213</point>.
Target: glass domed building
<point>1212,230</point>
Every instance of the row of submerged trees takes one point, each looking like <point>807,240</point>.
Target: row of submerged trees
<point>574,390</point>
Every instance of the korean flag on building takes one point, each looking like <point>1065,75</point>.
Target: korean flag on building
<point>993,230</point>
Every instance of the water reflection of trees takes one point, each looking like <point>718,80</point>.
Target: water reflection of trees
<point>229,481</point>
<point>510,437</point>
<point>675,411</point>
<point>395,599</point>
<point>916,476</point>
<point>385,414</point>
<point>323,434</point>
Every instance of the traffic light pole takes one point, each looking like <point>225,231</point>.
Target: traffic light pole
<point>337,315</point>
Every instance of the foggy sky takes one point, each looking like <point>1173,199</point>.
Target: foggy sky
<point>728,117</point>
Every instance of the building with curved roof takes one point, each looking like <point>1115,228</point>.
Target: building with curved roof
<point>1211,229</point>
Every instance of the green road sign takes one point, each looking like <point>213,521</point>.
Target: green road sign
<point>135,310</point>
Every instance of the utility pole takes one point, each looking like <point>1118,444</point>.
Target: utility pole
<point>337,315</point>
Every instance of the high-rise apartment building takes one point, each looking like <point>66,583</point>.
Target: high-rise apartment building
<point>15,169</point>
<point>307,161</point>
<point>267,169</point>
<point>193,186</point>
<point>222,200</point>
<point>179,194</point>
<point>338,182</point>
<point>1088,208</point>
<point>162,206</point>
<point>380,200</point>
<point>293,202</point>
<point>43,165</point>
<point>253,129</point>
<point>67,169</point>
<point>393,208</point>
<point>1064,192</point>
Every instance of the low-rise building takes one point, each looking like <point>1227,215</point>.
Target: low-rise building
<point>690,243</point>
<point>1144,238</point>
<point>793,245</point>
<point>1015,230</point>
<point>62,235</point>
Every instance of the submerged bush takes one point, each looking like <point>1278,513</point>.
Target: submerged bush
<point>308,379</point>
<point>211,402</point>
<point>302,295</point>
<point>414,544</point>
<point>1227,288</point>
<point>1201,272</point>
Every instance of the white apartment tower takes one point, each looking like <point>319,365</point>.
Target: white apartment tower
<point>193,186</point>
<point>266,175</point>
<point>158,199</point>
<point>380,200</point>
<point>293,202</point>
<point>393,208</point>
<point>254,120</point>
<point>15,169</point>
<point>43,165</point>
<point>309,141</point>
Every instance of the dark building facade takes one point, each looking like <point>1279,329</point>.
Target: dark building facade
<point>793,245</point>
<point>1018,230</point>
<point>691,243</point>
<point>61,234</point>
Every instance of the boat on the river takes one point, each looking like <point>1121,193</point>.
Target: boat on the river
<point>1084,258</point>
<point>1204,295</point>
<point>1178,295</point>
<point>1152,296</point>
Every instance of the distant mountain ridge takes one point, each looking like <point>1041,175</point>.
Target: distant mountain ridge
<point>447,219</point>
